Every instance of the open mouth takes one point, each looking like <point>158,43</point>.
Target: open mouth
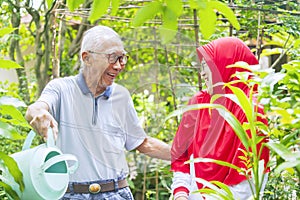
<point>111,75</point>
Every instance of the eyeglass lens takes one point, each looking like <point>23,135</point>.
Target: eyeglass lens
<point>113,58</point>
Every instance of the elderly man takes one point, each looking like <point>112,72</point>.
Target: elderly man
<point>94,118</point>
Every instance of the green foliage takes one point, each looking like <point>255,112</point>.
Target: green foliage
<point>5,31</point>
<point>208,18</point>
<point>11,119</point>
<point>215,190</point>
<point>280,92</point>
<point>147,12</point>
<point>291,159</point>
<point>11,165</point>
<point>72,5</point>
<point>283,186</point>
<point>115,6</point>
<point>150,173</point>
<point>284,101</point>
<point>8,64</point>
<point>171,11</point>
<point>99,7</point>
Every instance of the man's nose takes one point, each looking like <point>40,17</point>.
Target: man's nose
<point>118,65</point>
<point>203,74</point>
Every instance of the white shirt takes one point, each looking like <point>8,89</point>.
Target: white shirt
<point>96,130</point>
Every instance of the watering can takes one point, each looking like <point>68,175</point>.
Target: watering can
<point>45,169</point>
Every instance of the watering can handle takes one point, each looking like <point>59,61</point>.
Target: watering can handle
<point>59,158</point>
<point>28,140</point>
<point>31,135</point>
<point>50,138</point>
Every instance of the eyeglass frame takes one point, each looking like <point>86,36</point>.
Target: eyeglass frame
<point>120,58</point>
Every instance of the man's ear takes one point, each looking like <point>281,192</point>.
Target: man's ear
<point>85,57</point>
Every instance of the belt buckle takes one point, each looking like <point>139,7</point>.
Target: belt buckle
<point>94,188</point>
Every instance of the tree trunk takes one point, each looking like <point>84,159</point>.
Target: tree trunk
<point>40,69</point>
<point>15,54</point>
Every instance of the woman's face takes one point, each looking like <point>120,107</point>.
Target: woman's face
<point>207,76</point>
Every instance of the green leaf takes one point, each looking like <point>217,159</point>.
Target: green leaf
<point>49,3</point>
<point>176,6</point>
<point>6,100</point>
<point>16,116</point>
<point>243,65</point>
<point>147,12</point>
<point>237,97</point>
<point>292,158</point>
<point>196,4</point>
<point>115,6</point>
<point>3,90</point>
<point>226,11</point>
<point>73,4</point>
<point>219,162</point>
<point>286,117</point>
<point>207,184</point>
<point>4,31</point>
<point>283,152</point>
<point>269,52</point>
<point>297,43</point>
<point>193,4</point>
<point>99,8</point>
<point>169,27</point>
<point>274,43</point>
<point>207,21</point>
<point>243,102</point>
<point>286,165</point>
<point>214,190</point>
<point>225,188</point>
<point>271,79</point>
<point>288,138</point>
<point>13,169</point>
<point>9,131</point>
<point>184,109</point>
<point>9,190</point>
<point>226,114</point>
<point>235,125</point>
<point>8,64</point>
<point>261,172</point>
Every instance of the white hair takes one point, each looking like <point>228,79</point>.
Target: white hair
<point>94,38</point>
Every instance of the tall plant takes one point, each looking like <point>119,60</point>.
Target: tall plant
<point>10,119</point>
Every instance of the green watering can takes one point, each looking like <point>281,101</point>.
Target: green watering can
<point>45,170</point>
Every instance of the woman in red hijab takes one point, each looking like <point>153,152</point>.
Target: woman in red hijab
<point>207,135</point>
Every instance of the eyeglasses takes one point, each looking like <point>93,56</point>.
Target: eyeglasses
<point>113,58</point>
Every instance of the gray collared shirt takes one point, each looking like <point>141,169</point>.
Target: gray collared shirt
<point>96,130</point>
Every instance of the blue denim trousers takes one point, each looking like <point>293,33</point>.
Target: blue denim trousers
<point>118,194</point>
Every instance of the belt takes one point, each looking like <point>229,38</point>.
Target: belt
<point>95,188</point>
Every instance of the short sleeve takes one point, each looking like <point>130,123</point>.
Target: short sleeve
<point>51,95</point>
<point>135,132</point>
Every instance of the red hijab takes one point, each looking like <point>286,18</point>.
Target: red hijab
<point>208,135</point>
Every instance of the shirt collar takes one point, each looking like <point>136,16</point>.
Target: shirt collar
<point>85,90</point>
